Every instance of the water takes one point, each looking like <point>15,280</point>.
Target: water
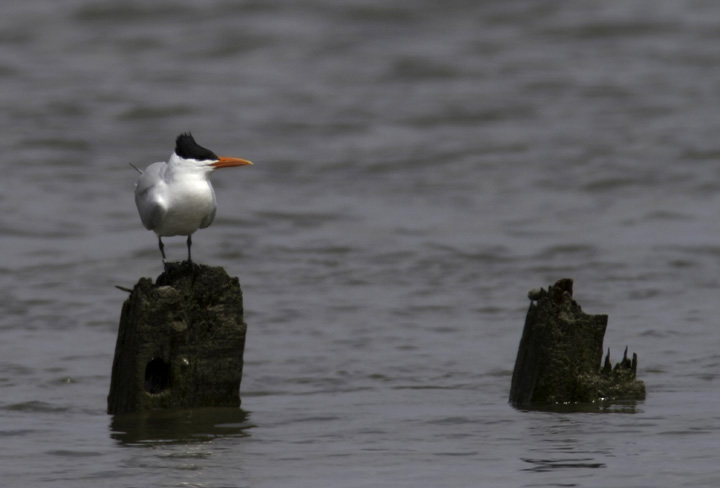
<point>419,167</point>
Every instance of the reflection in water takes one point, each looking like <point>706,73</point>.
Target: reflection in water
<point>179,426</point>
<point>572,436</point>
<point>617,406</point>
<point>544,465</point>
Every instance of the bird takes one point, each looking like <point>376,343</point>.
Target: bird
<point>176,198</point>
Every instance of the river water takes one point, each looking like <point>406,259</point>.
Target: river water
<point>419,166</point>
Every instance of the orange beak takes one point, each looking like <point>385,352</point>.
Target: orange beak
<point>230,162</point>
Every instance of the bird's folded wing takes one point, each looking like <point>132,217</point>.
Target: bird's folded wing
<point>209,219</point>
<point>152,214</point>
<point>148,196</point>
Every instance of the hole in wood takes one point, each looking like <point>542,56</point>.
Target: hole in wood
<point>157,376</point>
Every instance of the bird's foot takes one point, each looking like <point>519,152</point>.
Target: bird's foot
<point>174,265</point>
<point>192,264</point>
<point>176,269</point>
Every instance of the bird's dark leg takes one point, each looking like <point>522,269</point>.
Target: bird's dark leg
<point>189,244</point>
<point>162,248</point>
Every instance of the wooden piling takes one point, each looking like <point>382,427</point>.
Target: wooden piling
<point>180,342</point>
<point>560,352</point>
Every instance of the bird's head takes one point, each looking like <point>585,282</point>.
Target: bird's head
<point>193,154</point>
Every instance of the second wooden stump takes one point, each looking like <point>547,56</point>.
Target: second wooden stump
<point>560,353</point>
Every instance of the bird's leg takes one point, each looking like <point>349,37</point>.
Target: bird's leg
<point>189,243</point>
<point>162,248</point>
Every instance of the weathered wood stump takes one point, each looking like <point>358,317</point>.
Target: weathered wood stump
<point>180,342</point>
<point>560,353</point>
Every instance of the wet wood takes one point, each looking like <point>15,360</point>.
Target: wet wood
<point>180,342</point>
<point>560,354</point>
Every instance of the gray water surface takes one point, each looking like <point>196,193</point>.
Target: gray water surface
<point>419,166</point>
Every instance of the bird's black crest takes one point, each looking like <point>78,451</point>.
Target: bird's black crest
<point>186,147</point>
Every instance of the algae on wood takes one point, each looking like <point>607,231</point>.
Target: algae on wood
<point>180,342</point>
<point>560,353</point>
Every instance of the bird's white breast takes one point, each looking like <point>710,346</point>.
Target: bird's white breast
<point>175,202</point>
<point>189,206</point>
